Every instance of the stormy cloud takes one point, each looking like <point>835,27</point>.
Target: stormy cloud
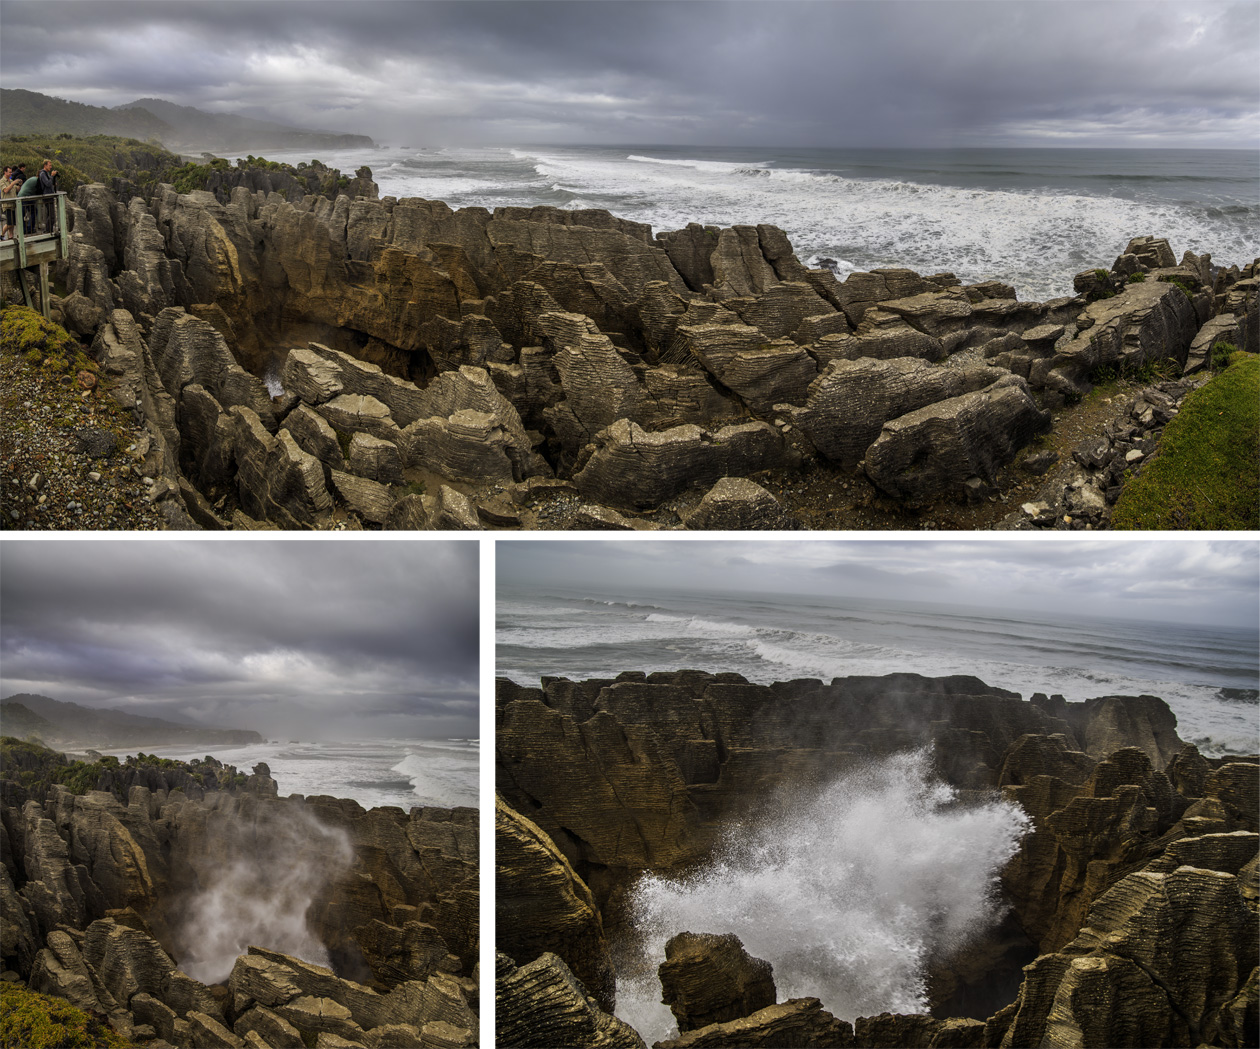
<point>907,73</point>
<point>332,639</point>
<point>1194,581</point>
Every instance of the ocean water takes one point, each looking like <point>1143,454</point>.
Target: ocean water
<point>1030,217</point>
<point>373,772</point>
<point>1209,676</point>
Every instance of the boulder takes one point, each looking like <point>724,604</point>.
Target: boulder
<point>849,403</point>
<point>798,1021</point>
<point>935,451</point>
<point>738,503</point>
<point>631,468</point>
<point>708,978</point>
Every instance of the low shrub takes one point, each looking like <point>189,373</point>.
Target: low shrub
<point>39,1021</point>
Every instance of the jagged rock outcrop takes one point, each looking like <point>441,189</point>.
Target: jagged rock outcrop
<point>542,906</point>
<point>1135,889</point>
<point>955,446</point>
<point>101,905</point>
<point>541,1005</point>
<point>587,327</point>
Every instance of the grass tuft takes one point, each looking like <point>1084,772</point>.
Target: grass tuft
<point>1206,474</point>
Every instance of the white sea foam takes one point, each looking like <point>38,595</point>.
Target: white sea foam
<point>440,776</point>
<point>848,891</point>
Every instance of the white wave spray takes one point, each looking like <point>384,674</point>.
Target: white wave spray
<point>849,892</point>
<point>260,894</point>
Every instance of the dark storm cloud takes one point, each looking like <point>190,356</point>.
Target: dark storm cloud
<point>1193,581</point>
<point>783,72</point>
<point>247,634</point>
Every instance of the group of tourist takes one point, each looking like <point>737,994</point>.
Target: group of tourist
<point>17,184</point>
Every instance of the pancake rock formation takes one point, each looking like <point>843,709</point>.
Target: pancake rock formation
<point>306,362</point>
<point>1131,902</point>
<point>191,906</point>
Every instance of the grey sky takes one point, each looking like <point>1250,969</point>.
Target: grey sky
<point>1195,581</point>
<point>824,73</point>
<point>331,639</point>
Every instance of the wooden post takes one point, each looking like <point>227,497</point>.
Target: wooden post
<point>43,291</point>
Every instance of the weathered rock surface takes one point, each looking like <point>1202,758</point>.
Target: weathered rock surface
<point>1136,889</point>
<point>543,1006</point>
<point>796,1022</point>
<point>708,978</point>
<point>613,347</point>
<point>542,906</point>
<point>98,910</point>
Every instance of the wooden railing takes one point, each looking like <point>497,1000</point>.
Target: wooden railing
<point>28,249</point>
<point>37,248</point>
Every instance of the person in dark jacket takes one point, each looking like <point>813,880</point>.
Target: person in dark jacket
<point>47,187</point>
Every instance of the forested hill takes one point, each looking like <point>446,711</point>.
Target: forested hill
<point>181,128</point>
<point>93,726</point>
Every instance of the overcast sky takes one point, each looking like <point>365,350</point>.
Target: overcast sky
<point>758,72</point>
<point>322,639</point>
<point>1193,581</point>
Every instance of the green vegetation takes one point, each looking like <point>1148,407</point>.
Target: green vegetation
<point>39,1021</point>
<point>95,158</point>
<point>42,344</point>
<point>1102,275</point>
<point>1151,371</point>
<point>1185,288</point>
<point>1136,278</point>
<point>1206,474</point>
<point>196,176</point>
<point>1222,354</point>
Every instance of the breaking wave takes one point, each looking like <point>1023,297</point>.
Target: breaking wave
<point>848,891</point>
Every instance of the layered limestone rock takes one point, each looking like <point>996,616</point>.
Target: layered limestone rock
<point>708,978</point>
<point>542,906</point>
<point>542,1005</point>
<point>608,352</point>
<point>102,905</point>
<point>798,1021</point>
<point>1135,890</point>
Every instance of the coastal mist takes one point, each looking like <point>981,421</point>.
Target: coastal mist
<point>259,895</point>
<point>849,892</point>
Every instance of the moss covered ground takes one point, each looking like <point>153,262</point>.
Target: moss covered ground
<point>1206,474</point>
<point>39,1021</point>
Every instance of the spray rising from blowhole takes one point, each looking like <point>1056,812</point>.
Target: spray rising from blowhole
<point>848,891</point>
<point>259,895</point>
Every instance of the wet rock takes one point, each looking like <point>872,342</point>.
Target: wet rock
<point>708,978</point>
<point>798,1021</point>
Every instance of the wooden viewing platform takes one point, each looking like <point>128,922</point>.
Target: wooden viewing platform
<point>27,250</point>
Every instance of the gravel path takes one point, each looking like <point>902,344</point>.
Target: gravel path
<point>70,458</point>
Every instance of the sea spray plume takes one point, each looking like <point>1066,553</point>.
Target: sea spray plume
<point>848,891</point>
<point>261,893</point>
